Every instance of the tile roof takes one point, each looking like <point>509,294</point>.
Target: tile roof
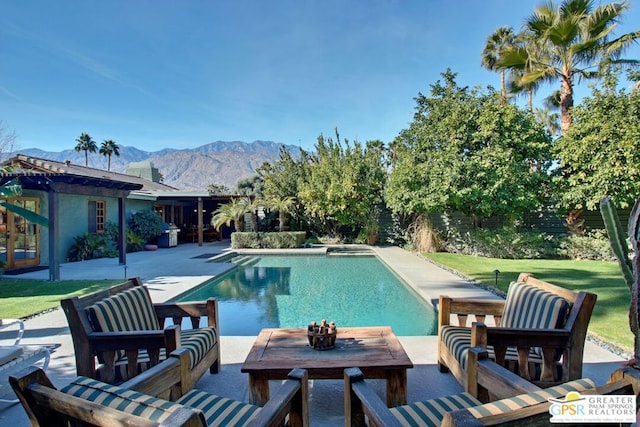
<point>24,163</point>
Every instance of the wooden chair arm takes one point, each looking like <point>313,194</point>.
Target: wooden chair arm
<point>47,406</point>
<point>291,399</point>
<point>167,380</point>
<point>550,340</point>
<point>486,380</point>
<point>193,310</point>
<point>465,307</point>
<point>361,400</point>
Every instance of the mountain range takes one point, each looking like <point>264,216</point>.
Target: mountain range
<point>220,162</point>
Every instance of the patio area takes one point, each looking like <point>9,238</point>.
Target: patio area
<point>170,271</point>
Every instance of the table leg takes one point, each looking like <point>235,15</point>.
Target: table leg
<point>396,387</point>
<point>258,389</point>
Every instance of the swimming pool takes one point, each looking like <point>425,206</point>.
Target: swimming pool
<point>271,291</point>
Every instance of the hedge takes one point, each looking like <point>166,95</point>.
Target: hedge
<point>275,240</point>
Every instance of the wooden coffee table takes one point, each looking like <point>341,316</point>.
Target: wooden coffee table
<point>375,350</point>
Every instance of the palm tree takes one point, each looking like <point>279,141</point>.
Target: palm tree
<point>496,42</point>
<point>575,42</point>
<point>86,144</point>
<point>230,212</point>
<point>252,205</point>
<point>109,148</point>
<point>283,206</point>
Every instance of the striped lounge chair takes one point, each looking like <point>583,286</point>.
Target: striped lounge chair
<point>118,333</point>
<point>538,331</point>
<point>86,401</point>
<point>519,402</point>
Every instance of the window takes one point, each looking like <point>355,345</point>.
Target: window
<point>97,216</point>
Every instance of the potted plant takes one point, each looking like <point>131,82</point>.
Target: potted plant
<point>630,268</point>
<point>148,225</point>
<point>371,231</point>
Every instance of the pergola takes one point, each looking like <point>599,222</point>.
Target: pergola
<point>55,184</point>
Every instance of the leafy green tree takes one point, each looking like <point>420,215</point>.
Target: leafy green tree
<point>250,186</point>
<point>86,144</point>
<point>599,155</point>
<point>283,177</point>
<point>467,151</point>
<point>573,40</point>
<point>109,148</point>
<point>218,189</point>
<point>343,184</point>
<point>496,42</point>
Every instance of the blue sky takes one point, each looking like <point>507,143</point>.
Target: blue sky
<point>179,74</point>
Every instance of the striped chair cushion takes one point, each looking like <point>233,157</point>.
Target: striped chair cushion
<point>130,310</point>
<point>531,307</point>
<point>530,399</point>
<point>431,412</point>
<point>122,399</point>
<point>458,340</point>
<point>219,411</point>
<point>197,341</point>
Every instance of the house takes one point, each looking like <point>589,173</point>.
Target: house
<point>78,199</point>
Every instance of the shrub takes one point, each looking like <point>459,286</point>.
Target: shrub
<point>424,237</point>
<point>502,243</point>
<point>592,246</point>
<point>147,224</point>
<point>245,239</point>
<point>87,246</point>
<point>277,240</point>
<point>135,243</point>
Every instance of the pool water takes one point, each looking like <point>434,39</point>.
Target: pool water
<point>291,291</point>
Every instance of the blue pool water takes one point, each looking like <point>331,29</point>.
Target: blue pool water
<point>290,291</point>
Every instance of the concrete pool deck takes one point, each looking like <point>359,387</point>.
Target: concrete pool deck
<point>170,271</point>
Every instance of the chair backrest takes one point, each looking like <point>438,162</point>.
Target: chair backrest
<point>80,325</point>
<point>580,303</point>
<point>574,318</point>
<point>129,310</point>
<point>531,307</point>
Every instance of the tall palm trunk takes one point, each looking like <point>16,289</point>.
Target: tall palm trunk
<point>566,102</point>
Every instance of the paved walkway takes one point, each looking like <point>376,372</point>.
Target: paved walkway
<point>170,271</point>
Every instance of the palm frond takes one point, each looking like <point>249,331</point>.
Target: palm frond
<point>26,214</point>
<point>10,189</point>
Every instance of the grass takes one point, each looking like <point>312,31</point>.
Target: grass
<point>21,298</point>
<point>609,321</point>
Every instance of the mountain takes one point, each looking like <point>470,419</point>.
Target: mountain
<point>220,162</point>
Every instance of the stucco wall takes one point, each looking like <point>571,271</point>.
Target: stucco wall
<point>73,218</point>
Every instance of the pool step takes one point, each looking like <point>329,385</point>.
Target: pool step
<point>245,260</point>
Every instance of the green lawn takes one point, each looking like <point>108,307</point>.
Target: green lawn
<point>22,298</point>
<point>609,321</point>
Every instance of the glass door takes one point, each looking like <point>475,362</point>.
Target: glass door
<point>19,238</point>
